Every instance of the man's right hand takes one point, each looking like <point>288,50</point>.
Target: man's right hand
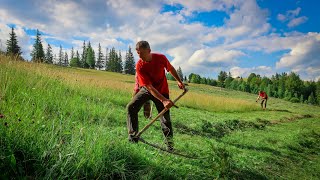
<point>167,103</point>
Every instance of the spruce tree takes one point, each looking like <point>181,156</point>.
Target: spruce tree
<point>72,53</point>
<point>106,60</point>
<point>12,44</point>
<point>83,56</point>
<point>180,74</point>
<point>129,64</point>
<point>75,62</point>
<point>99,63</point>
<point>90,58</point>
<point>60,60</point>
<point>49,56</point>
<point>66,60</point>
<point>119,63</point>
<point>318,91</point>
<point>112,60</point>
<point>37,53</point>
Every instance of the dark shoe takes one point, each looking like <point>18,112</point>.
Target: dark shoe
<point>133,139</point>
<point>170,148</point>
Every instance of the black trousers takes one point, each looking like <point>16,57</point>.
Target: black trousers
<point>264,103</point>
<point>134,107</point>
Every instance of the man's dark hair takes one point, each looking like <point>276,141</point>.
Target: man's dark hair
<point>142,44</point>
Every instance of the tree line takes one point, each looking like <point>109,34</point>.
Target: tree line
<point>285,86</point>
<point>111,61</point>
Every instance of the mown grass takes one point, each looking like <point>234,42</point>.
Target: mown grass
<point>63,123</point>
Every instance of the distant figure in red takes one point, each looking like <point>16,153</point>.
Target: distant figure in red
<point>264,98</point>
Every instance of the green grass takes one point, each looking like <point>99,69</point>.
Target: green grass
<point>63,123</point>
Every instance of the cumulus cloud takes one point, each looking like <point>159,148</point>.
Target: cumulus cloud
<point>245,72</point>
<point>304,54</point>
<point>192,46</point>
<point>215,56</point>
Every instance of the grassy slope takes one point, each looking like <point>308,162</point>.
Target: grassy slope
<point>65,122</point>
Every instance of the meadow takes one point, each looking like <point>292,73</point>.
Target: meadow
<point>70,123</point>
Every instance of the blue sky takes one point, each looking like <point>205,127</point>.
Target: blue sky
<point>200,36</point>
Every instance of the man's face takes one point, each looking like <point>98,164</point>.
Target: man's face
<point>143,53</point>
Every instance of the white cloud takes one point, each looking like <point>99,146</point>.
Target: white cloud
<point>245,72</point>
<point>291,18</point>
<point>303,56</point>
<point>192,46</point>
<point>214,56</point>
<point>297,21</point>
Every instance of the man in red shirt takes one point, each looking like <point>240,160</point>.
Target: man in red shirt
<point>264,98</point>
<point>150,70</point>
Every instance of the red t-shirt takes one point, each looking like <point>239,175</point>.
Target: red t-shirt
<point>263,95</point>
<point>153,72</point>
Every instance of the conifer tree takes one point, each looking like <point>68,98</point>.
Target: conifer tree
<point>129,64</point>
<point>90,58</point>
<point>106,60</point>
<point>66,60</point>
<point>37,53</point>
<point>72,53</point>
<point>99,63</point>
<point>119,63</point>
<point>49,56</point>
<point>12,44</point>
<point>78,56</point>
<point>112,60</point>
<point>180,74</point>
<point>83,56</point>
<point>75,62</point>
<point>60,60</point>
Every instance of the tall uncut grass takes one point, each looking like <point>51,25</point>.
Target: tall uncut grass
<point>68,123</point>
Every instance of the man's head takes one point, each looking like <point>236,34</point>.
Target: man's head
<point>143,50</point>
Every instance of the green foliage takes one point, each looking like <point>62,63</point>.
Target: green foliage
<point>195,78</point>
<point>221,78</point>
<point>66,59</point>
<point>84,56</point>
<point>170,77</point>
<point>293,83</point>
<point>129,63</point>
<point>60,58</point>
<point>75,62</point>
<point>114,63</point>
<point>99,64</point>
<point>37,54</point>
<point>180,74</point>
<point>49,55</point>
<point>318,91</point>
<point>90,57</point>
<point>311,99</point>
<point>294,100</point>
<point>12,44</point>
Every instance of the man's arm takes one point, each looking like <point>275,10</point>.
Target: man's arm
<point>167,103</point>
<point>258,98</point>
<point>174,73</point>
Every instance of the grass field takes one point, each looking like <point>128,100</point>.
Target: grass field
<point>62,123</point>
